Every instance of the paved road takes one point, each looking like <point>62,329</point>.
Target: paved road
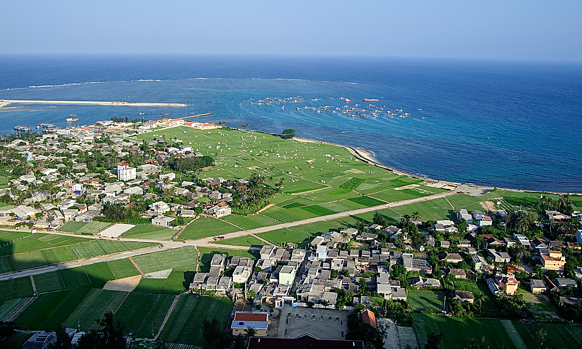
<point>204,242</point>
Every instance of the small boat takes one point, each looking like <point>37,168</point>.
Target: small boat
<point>22,128</point>
<point>72,119</point>
<point>72,115</point>
<point>45,125</point>
<point>141,113</point>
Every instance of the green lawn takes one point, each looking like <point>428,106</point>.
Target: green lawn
<point>148,231</point>
<point>122,268</point>
<point>185,322</point>
<point>204,227</point>
<point>51,309</point>
<point>250,222</point>
<point>558,335</point>
<point>156,316</point>
<point>425,300</point>
<point>48,282</point>
<point>458,332</point>
<point>248,240</point>
<point>15,288</point>
<point>180,258</point>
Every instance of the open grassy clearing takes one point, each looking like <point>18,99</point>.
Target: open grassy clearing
<point>425,300</point>
<point>76,277</point>
<point>122,268</point>
<point>15,288</point>
<point>313,174</point>
<point>51,309</point>
<point>250,222</point>
<point>437,209</point>
<point>42,249</point>
<point>85,228</point>
<point>134,309</point>
<point>149,231</point>
<point>458,332</point>
<point>185,322</point>
<point>48,282</point>
<point>204,227</point>
<point>558,335</point>
<point>248,240</point>
<point>156,316</point>
<point>180,258</point>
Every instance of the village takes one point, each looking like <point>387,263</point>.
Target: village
<point>373,283</point>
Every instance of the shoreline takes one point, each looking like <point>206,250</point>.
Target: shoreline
<point>368,157</point>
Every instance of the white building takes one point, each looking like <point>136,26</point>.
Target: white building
<point>162,221</point>
<point>287,275</point>
<point>125,172</point>
<point>241,274</point>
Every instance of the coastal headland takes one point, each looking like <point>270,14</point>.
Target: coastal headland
<point>6,102</point>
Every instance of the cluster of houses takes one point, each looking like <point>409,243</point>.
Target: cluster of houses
<point>62,188</point>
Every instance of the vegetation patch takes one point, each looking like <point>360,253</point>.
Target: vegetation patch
<point>352,183</point>
<point>180,258</point>
<point>426,301</point>
<point>366,201</point>
<point>149,231</point>
<point>318,210</point>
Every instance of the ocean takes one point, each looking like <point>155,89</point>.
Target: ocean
<point>504,124</point>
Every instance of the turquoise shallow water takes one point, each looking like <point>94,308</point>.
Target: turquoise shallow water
<point>506,124</point>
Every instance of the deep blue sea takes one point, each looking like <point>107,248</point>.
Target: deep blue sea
<point>506,124</point>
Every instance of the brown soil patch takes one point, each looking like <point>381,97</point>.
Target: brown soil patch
<point>126,284</point>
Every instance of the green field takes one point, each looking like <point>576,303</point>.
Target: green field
<point>319,179</point>
<point>85,228</point>
<point>122,268</point>
<point>204,227</point>
<point>425,300</point>
<point>180,259</point>
<point>250,222</point>
<point>148,231</point>
<point>248,240</point>
<point>43,249</point>
<point>185,322</point>
<point>458,332</point>
<point>49,282</point>
<point>15,288</point>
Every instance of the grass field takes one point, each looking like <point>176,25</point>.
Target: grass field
<point>93,307</point>
<point>148,231</point>
<point>15,288</point>
<point>204,227</point>
<point>426,301</point>
<point>185,322</point>
<point>318,178</point>
<point>49,282</point>
<point>134,310</point>
<point>76,277</point>
<point>122,268</point>
<point>248,240</point>
<point>180,259</point>
<point>458,332</point>
<point>99,273</point>
<point>250,222</point>
<point>85,228</point>
<point>156,316</point>
<point>43,249</point>
<point>51,309</point>
<point>558,335</point>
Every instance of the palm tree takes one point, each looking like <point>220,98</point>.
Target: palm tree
<point>250,332</point>
<point>480,298</point>
<point>416,216</point>
<point>405,220</point>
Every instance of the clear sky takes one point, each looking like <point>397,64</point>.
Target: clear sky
<point>486,29</point>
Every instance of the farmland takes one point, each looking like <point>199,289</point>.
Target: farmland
<point>458,332</point>
<point>29,251</point>
<point>426,301</point>
<point>204,227</point>
<point>91,228</point>
<point>148,231</point>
